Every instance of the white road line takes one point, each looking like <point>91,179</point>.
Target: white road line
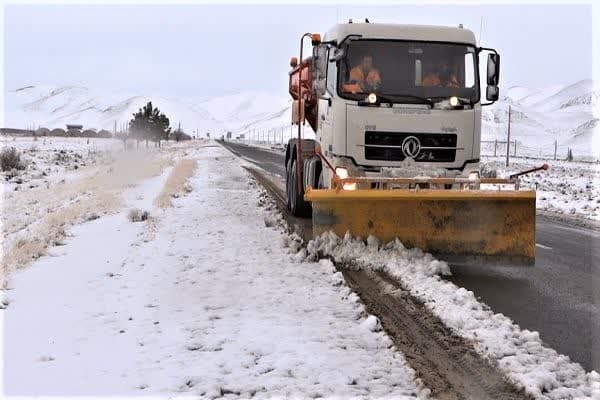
<point>541,246</point>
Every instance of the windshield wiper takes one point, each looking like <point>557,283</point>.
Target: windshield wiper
<point>424,100</point>
<point>384,99</point>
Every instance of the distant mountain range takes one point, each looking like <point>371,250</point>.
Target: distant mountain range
<point>55,106</point>
<point>568,114</point>
<point>565,114</point>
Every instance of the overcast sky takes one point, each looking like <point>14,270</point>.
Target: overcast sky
<point>206,50</point>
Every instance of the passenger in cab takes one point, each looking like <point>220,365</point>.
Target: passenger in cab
<point>364,78</point>
<point>440,76</point>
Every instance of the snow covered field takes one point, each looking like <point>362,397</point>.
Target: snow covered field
<point>50,158</point>
<point>201,299</point>
<point>568,188</point>
<point>61,187</point>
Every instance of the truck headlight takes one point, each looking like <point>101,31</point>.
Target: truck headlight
<point>342,173</point>
<point>454,102</point>
<point>372,98</point>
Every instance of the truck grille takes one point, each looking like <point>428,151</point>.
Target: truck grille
<point>387,146</point>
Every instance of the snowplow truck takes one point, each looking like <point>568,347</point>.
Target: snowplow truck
<point>395,112</point>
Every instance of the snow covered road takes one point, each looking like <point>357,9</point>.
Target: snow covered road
<point>522,354</point>
<point>203,299</point>
<point>558,294</point>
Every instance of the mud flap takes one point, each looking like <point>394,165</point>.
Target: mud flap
<point>451,224</point>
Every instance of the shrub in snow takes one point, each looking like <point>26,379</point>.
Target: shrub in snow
<point>61,157</point>
<point>91,216</point>
<point>10,159</point>
<point>570,155</point>
<point>137,215</point>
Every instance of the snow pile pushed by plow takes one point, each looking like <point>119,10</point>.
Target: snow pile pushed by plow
<point>521,354</point>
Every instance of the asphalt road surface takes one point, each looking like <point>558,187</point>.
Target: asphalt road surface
<point>559,297</point>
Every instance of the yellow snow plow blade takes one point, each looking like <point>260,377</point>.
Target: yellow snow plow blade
<point>452,224</point>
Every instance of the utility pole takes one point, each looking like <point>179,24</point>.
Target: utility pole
<point>555,148</point>
<point>508,139</point>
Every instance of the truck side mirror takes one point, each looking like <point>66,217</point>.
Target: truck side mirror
<point>337,55</point>
<point>493,69</point>
<point>492,93</point>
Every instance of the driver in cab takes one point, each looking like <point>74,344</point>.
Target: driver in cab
<point>364,78</point>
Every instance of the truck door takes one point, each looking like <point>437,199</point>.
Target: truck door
<point>326,90</point>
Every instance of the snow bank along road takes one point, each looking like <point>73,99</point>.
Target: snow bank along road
<point>558,297</point>
<point>201,299</point>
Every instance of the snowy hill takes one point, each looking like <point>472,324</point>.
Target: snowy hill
<point>564,96</point>
<point>533,95</point>
<point>565,114</point>
<point>236,111</point>
<point>54,107</point>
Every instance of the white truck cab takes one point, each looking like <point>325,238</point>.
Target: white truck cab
<point>386,96</point>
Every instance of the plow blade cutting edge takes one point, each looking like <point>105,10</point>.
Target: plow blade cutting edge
<point>454,225</point>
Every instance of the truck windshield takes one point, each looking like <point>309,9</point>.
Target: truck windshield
<point>406,71</point>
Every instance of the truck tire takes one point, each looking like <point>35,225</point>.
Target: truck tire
<point>297,205</point>
<point>319,181</point>
<point>288,194</point>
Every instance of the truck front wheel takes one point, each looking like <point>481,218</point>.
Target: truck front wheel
<point>288,184</point>
<point>295,200</point>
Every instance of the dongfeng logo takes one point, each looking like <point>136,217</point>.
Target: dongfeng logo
<point>411,147</point>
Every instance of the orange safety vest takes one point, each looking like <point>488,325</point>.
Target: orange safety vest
<point>357,74</point>
<point>434,80</point>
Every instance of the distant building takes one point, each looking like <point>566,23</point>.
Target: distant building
<point>74,130</point>
<point>15,132</point>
